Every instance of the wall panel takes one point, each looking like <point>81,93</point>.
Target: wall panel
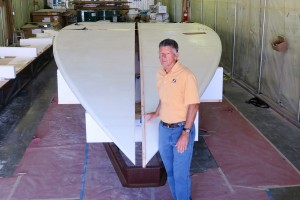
<point>22,10</point>
<point>281,70</point>
<point>225,28</point>
<point>209,13</point>
<point>196,10</point>
<point>248,41</point>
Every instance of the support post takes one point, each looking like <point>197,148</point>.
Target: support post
<point>216,11</point>
<point>262,49</point>
<point>299,111</point>
<point>234,39</point>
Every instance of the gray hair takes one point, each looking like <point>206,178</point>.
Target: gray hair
<point>169,42</point>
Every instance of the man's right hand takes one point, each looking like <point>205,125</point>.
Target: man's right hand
<point>151,116</point>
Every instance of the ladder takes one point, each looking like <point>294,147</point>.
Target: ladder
<point>18,34</point>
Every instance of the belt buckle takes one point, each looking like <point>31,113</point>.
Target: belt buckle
<point>167,125</point>
<point>174,125</point>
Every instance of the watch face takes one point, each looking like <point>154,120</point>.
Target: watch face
<point>187,130</point>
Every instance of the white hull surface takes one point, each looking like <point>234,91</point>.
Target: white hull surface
<point>98,65</point>
<point>97,61</point>
<point>199,50</point>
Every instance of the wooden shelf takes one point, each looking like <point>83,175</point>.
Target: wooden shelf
<point>102,8</point>
<point>101,5</point>
<point>100,2</point>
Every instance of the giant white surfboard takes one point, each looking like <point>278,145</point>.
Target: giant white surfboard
<point>97,62</point>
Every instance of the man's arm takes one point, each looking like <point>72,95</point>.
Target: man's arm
<point>184,138</point>
<point>191,115</point>
<point>155,114</point>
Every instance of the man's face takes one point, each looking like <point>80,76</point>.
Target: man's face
<point>168,57</point>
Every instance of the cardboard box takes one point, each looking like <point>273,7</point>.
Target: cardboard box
<point>32,28</point>
<point>161,9</point>
<point>48,15</point>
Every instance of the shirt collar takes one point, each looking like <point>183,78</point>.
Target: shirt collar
<point>175,68</point>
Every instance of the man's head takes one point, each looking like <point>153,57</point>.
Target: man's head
<point>169,42</point>
<point>168,53</point>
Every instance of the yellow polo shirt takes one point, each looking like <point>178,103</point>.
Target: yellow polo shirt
<point>177,89</point>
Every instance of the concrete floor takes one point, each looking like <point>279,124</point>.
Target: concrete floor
<point>20,120</point>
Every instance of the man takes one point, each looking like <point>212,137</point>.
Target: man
<point>177,108</point>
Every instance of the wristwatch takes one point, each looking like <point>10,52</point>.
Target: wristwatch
<point>187,130</point>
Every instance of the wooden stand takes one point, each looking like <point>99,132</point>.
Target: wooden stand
<point>135,176</point>
<point>11,87</point>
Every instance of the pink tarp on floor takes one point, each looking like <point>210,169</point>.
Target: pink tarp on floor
<point>52,166</point>
<point>243,154</point>
<point>212,186</point>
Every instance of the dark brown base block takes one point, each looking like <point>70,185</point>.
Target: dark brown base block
<point>135,176</point>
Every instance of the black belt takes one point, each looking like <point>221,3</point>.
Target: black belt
<point>174,125</point>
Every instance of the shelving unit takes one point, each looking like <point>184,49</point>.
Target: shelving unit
<point>101,10</point>
<point>101,5</point>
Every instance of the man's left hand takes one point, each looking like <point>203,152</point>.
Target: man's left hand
<point>182,142</point>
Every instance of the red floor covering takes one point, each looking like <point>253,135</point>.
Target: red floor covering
<point>52,165</point>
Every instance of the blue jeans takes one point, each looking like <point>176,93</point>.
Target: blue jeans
<point>176,164</point>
